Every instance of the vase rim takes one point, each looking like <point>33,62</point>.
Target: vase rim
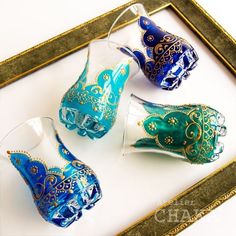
<point>11,131</point>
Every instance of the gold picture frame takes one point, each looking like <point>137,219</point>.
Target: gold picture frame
<point>216,39</point>
<point>205,27</point>
<point>189,206</point>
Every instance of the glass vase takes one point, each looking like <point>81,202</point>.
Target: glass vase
<point>165,59</point>
<point>61,185</point>
<point>189,132</point>
<point>90,105</point>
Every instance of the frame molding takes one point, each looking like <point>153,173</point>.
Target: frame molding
<point>205,27</point>
<point>202,198</point>
<point>212,190</point>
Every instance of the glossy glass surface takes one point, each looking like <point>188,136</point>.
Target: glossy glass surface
<point>91,104</point>
<point>188,131</point>
<point>61,185</point>
<point>165,59</point>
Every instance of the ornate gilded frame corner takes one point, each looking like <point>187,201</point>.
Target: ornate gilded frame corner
<point>189,206</point>
<point>205,27</point>
<point>208,193</point>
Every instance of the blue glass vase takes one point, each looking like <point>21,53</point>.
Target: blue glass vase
<point>90,105</point>
<point>61,185</point>
<point>165,59</point>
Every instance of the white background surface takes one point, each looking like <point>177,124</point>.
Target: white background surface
<point>132,186</point>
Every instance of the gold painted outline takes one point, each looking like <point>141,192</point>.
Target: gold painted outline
<point>164,4</point>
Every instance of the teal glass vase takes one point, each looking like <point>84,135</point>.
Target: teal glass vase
<point>90,106</point>
<point>189,132</point>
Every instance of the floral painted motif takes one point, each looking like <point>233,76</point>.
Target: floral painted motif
<point>191,131</point>
<point>165,59</point>
<point>60,194</point>
<point>91,108</point>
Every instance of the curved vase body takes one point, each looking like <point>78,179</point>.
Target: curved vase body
<point>61,185</point>
<point>91,104</point>
<point>165,59</point>
<point>188,131</point>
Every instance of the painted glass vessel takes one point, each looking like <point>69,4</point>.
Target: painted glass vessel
<point>91,104</point>
<point>61,185</point>
<point>190,132</point>
<point>165,58</point>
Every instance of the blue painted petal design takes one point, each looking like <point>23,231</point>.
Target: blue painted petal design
<point>167,58</point>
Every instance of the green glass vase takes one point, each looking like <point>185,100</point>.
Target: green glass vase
<point>190,132</point>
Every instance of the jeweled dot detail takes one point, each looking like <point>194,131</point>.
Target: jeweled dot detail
<point>172,121</point>
<point>150,38</point>
<point>152,126</point>
<point>140,123</point>
<point>123,71</point>
<point>65,151</point>
<point>83,180</point>
<point>34,170</point>
<point>169,140</point>
<point>70,191</point>
<point>106,76</point>
<point>51,179</point>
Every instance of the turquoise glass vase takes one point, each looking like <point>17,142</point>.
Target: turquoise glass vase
<point>190,132</point>
<point>90,105</point>
<point>61,185</point>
